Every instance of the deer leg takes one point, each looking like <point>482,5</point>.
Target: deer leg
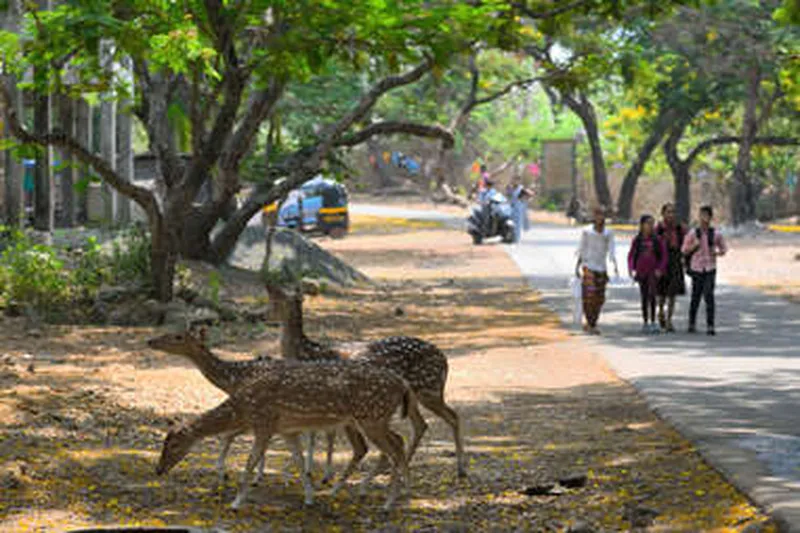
<point>227,440</point>
<point>257,452</point>
<point>442,410</point>
<point>309,466</point>
<point>297,454</point>
<point>331,438</point>
<point>381,466</point>
<point>418,429</point>
<point>260,470</point>
<point>359,451</point>
<point>391,444</point>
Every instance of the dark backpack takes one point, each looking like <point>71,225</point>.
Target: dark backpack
<point>688,257</point>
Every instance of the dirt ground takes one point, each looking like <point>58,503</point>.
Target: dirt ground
<point>83,412</point>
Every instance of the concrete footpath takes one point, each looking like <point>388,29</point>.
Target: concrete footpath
<point>735,396</point>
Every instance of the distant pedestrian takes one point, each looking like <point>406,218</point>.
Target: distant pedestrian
<point>701,248</point>
<point>519,195</point>
<point>647,261</point>
<point>596,249</point>
<point>673,282</point>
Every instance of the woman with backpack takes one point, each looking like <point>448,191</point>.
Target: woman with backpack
<point>701,248</point>
<point>647,261</point>
<point>673,282</point>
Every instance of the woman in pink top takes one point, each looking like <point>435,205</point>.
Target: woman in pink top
<point>647,261</point>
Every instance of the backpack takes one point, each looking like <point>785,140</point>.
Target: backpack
<point>637,243</point>
<point>688,257</point>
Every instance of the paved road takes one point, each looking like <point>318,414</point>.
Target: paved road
<point>736,396</point>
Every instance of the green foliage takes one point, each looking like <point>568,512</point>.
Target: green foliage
<point>129,262</point>
<point>90,271</point>
<point>214,286</point>
<point>34,278</point>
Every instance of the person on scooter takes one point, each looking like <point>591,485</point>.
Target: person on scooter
<point>485,199</point>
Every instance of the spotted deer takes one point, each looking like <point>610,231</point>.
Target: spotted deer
<point>226,376</point>
<point>292,397</point>
<point>423,365</point>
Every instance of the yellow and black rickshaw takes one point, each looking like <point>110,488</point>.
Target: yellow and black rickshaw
<point>318,205</point>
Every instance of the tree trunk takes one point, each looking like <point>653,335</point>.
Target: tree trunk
<point>43,202</point>
<point>628,190</point>
<point>745,194</point>
<point>15,172</point>
<point>108,150</point>
<point>124,165</point>
<point>585,111</point>
<point>384,179</point>
<point>225,241</point>
<point>83,134</point>
<point>163,256</point>
<point>194,234</point>
<point>66,118</point>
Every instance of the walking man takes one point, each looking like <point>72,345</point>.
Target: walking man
<point>701,248</point>
<point>596,248</point>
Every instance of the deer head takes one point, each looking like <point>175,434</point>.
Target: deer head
<point>176,445</point>
<point>182,343</point>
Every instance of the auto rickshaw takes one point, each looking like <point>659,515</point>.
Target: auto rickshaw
<point>319,205</point>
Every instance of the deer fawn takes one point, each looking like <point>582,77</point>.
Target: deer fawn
<point>419,362</point>
<point>292,397</point>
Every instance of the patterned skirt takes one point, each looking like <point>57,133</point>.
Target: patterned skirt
<point>594,294</point>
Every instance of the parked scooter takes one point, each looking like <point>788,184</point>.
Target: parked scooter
<point>492,219</point>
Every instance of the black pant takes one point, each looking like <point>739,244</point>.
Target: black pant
<point>648,294</point>
<point>703,284</point>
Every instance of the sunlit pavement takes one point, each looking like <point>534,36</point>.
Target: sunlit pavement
<point>736,396</point>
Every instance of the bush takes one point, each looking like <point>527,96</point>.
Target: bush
<point>34,278</point>
<point>130,258</point>
<point>90,271</point>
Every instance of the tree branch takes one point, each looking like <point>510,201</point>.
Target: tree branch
<point>332,133</point>
<point>153,92</point>
<point>391,128</point>
<point>732,139</point>
<point>142,196</point>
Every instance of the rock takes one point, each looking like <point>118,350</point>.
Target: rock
<point>176,313</point>
<point>116,293</point>
<point>574,481</point>
<point>311,287</point>
<point>640,516</point>
<point>294,253</point>
<point>137,312</point>
<point>179,315</point>
<point>580,527</point>
<point>542,489</point>
<point>98,314</point>
<point>34,333</point>
<point>10,481</point>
